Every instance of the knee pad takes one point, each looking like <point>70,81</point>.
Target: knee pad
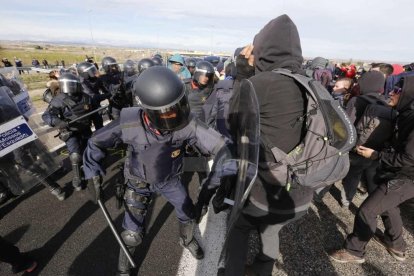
<point>131,238</point>
<point>75,158</point>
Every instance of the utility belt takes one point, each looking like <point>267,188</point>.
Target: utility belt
<point>139,183</point>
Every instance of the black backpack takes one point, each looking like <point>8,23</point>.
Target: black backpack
<point>375,127</point>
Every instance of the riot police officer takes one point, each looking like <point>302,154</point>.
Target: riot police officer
<point>65,107</point>
<point>156,134</point>
<point>26,165</point>
<point>200,87</point>
<point>191,64</point>
<point>157,61</point>
<point>129,75</point>
<point>144,64</point>
<point>93,87</point>
<point>112,81</point>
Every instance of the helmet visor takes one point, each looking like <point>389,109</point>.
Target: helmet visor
<point>70,87</point>
<point>91,71</point>
<point>173,117</point>
<point>204,78</point>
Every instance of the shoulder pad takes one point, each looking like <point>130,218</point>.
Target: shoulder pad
<point>130,116</point>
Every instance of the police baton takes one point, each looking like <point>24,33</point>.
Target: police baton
<point>88,114</point>
<point>118,238</point>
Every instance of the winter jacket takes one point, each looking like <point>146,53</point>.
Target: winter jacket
<point>400,161</point>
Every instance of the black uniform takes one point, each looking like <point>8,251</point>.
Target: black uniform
<point>61,110</point>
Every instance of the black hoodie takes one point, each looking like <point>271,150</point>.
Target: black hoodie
<point>401,161</point>
<point>282,102</point>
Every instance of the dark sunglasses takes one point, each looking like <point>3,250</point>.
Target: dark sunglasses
<point>397,90</point>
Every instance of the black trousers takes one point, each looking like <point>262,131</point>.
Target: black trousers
<point>383,201</point>
<point>359,165</point>
<point>10,253</point>
<point>268,226</point>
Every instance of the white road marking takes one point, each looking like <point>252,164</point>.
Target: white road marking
<point>210,234</point>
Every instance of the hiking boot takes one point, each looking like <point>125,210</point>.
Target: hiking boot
<point>194,248</point>
<point>396,254</point>
<point>58,193</point>
<point>343,256</point>
<point>28,265</point>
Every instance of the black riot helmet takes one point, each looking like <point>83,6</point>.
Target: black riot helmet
<point>190,62</point>
<point>110,65</point>
<point>162,96</point>
<point>87,70</point>
<point>157,61</point>
<point>158,56</point>
<point>204,74</point>
<point>70,84</point>
<point>144,64</point>
<point>129,68</point>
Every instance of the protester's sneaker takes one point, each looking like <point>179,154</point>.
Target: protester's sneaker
<point>345,203</point>
<point>343,256</point>
<point>58,193</point>
<point>28,266</point>
<point>396,254</point>
<point>194,248</point>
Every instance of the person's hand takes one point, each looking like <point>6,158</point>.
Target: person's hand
<point>247,52</point>
<point>95,188</point>
<point>367,152</point>
<point>62,125</point>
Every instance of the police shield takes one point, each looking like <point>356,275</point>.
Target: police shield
<point>245,128</point>
<point>244,122</point>
<point>24,160</point>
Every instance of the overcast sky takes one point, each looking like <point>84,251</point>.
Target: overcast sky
<point>372,29</point>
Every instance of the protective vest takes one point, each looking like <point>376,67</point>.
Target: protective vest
<point>152,158</point>
<point>196,99</point>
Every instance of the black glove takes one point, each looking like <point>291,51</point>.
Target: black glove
<point>202,202</point>
<point>61,125</point>
<point>95,188</point>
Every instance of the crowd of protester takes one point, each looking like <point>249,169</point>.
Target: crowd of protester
<point>386,172</point>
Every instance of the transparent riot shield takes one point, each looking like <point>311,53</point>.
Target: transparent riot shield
<point>24,160</point>
<point>9,77</point>
<point>244,119</point>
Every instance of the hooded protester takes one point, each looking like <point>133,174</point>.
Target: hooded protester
<point>281,101</point>
<point>395,178</point>
<point>371,85</point>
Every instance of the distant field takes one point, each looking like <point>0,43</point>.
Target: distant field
<point>70,54</point>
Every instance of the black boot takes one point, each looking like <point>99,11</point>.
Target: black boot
<point>124,267</point>
<point>188,241</point>
<point>132,240</point>
<point>75,159</point>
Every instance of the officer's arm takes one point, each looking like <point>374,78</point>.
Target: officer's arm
<point>208,140</point>
<point>51,117</point>
<point>104,138</point>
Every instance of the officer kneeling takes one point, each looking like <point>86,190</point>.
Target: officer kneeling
<point>156,134</point>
